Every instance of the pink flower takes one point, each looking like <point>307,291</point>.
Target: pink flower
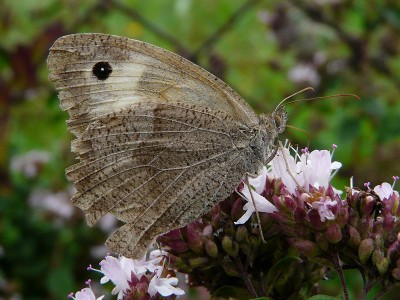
<point>313,169</point>
<point>323,206</point>
<point>119,271</point>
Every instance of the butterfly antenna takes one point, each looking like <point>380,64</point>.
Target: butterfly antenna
<point>280,104</point>
<point>323,97</point>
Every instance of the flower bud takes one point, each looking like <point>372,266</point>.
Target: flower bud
<point>215,216</point>
<point>392,250</point>
<point>237,209</point>
<point>211,248</point>
<point>333,233</point>
<point>365,250</point>
<point>380,261</point>
<point>241,234</point>
<point>388,221</point>
<point>306,248</point>
<point>198,262</point>
<point>355,237</point>
<point>229,267</point>
<point>174,240</point>
<point>229,246</point>
<point>396,273</point>
<point>367,204</point>
<point>179,263</point>
<point>194,239</point>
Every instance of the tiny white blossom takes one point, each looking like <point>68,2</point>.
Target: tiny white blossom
<point>86,294</point>
<point>279,169</point>
<point>263,205</point>
<point>384,190</point>
<point>164,286</point>
<point>323,207</point>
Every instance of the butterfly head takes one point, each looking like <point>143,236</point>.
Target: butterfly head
<point>274,123</point>
<point>263,144</point>
<point>279,118</point>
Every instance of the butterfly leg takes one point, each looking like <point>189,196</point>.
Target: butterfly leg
<point>255,207</point>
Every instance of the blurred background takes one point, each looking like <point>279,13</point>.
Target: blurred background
<point>265,50</point>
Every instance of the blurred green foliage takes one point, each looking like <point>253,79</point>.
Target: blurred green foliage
<point>266,50</point>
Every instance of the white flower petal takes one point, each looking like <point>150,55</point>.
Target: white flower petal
<point>86,294</point>
<point>243,219</point>
<point>384,191</point>
<point>104,280</point>
<point>336,165</point>
<point>263,205</point>
<point>112,269</point>
<point>259,182</point>
<point>164,286</point>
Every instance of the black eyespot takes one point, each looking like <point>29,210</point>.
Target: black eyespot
<point>102,70</point>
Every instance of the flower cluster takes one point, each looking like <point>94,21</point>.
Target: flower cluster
<point>302,216</point>
<point>135,279</point>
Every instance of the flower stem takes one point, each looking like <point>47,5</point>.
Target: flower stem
<point>246,278</point>
<point>367,287</point>
<point>339,270</point>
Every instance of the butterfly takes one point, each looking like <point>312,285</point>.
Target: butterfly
<point>159,139</point>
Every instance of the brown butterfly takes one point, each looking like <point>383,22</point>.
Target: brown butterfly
<point>159,139</point>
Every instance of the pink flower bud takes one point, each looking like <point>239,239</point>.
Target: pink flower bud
<point>237,209</point>
<point>333,233</point>
<point>355,237</point>
<point>194,238</point>
<point>306,248</point>
<point>215,216</point>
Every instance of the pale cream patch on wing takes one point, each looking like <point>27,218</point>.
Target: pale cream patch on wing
<point>120,90</point>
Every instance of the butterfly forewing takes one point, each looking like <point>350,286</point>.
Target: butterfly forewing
<point>159,139</point>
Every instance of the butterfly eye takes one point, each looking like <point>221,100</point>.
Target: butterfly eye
<point>278,122</point>
<point>102,70</point>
